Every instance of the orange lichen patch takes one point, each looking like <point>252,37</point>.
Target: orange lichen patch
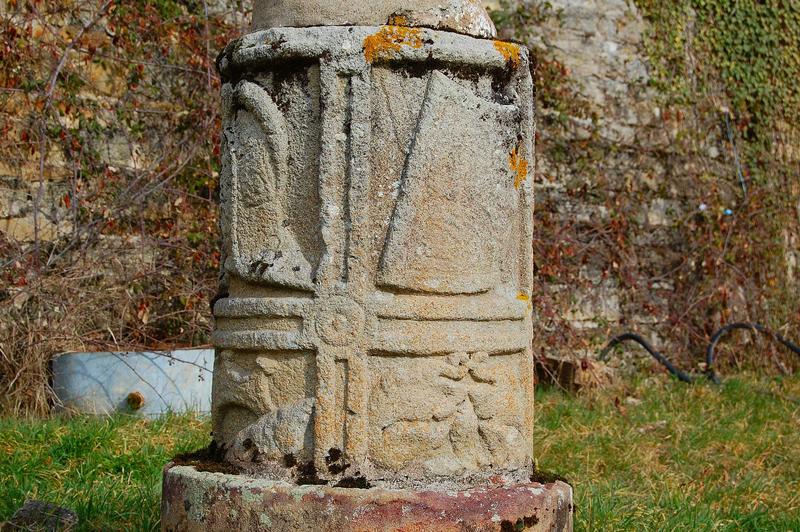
<point>522,296</point>
<point>519,166</point>
<point>390,39</point>
<point>509,51</point>
<point>398,20</point>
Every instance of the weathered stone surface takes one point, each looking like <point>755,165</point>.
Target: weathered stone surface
<point>463,16</point>
<point>376,215</point>
<point>17,212</point>
<point>211,502</point>
<point>41,515</point>
<point>23,229</point>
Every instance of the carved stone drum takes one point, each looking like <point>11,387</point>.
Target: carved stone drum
<point>373,330</point>
<point>376,214</point>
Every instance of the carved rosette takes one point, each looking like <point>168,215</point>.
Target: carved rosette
<point>377,219</point>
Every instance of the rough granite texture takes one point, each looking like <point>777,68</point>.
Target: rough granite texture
<point>462,16</point>
<point>375,318</point>
<point>197,501</point>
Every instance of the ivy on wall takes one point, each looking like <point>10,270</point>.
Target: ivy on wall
<point>734,64</point>
<point>723,74</point>
<point>743,54</point>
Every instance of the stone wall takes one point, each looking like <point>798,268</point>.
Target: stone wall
<point>108,169</point>
<point>33,186</point>
<point>632,187</point>
<point>638,192</point>
<point>595,147</point>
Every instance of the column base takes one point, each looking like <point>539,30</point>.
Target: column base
<point>195,500</point>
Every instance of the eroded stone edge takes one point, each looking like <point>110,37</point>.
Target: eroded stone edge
<point>194,500</point>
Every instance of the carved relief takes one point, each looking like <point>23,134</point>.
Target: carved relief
<point>263,202</point>
<point>450,226</point>
<point>448,415</point>
<point>266,398</point>
<point>376,221</point>
<point>340,321</point>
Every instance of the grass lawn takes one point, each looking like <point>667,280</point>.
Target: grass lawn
<point>663,455</point>
<point>655,454</point>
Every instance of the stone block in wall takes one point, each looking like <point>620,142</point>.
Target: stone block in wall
<point>15,201</point>
<point>24,229</point>
<point>582,212</point>
<point>118,151</point>
<point>17,197</point>
<point>786,146</point>
<point>56,167</point>
<point>599,42</point>
<point>662,212</point>
<point>593,307</point>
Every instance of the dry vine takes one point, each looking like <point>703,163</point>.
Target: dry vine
<point>108,162</point>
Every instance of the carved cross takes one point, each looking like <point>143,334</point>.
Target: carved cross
<point>446,275</point>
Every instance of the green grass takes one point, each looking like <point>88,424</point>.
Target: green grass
<point>106,469</point>
<point>687,457</point>
<point>674,457</point>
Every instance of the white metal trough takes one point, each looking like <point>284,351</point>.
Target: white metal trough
<point>145,383</point>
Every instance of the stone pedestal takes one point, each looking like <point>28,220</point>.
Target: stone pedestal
<point>215,502</point>
<point>374,328</point>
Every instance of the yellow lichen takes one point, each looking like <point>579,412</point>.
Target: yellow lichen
<point>509,51</point>
<point>390,39</point>
<point>522,296</point>
<point>519,166</point>
<point>398,20</point>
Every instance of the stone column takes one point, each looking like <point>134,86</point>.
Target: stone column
<point>373,333</point>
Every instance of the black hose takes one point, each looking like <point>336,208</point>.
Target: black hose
<point>747,326</point>
<point>710,373</point>
<point>632,337</point>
